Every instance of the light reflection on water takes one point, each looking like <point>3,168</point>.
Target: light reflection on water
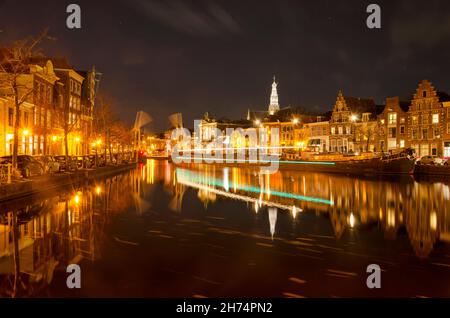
<point>41,236</point>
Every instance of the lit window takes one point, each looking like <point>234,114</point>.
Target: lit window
<point>392,118</point>
<point>340,130</point>
<point>333,130</point>
<point>414,120</point>
<point>402,143</point>
<point>435,118</point>
<point>382,121</point>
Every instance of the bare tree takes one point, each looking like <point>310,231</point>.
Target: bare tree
<point>14,64</point>
<point>103,120</point>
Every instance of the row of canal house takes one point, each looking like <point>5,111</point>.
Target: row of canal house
<point>359,125</point>
<point>356,125</point>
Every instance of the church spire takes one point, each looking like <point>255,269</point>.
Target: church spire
<point>274,106</point>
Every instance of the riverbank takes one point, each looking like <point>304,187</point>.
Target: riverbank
<point>37,185</point>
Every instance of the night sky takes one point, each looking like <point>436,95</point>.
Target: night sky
<point>220,56</point>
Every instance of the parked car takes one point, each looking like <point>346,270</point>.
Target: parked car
<point>101,162</point>
<point>49,163</point>
<point>430,160</point>
<point>71,165</point>
<point>27,165</point>
<point>82,162</point>
<point>90,161</point>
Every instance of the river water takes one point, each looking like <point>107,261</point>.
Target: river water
<point>166,231</point>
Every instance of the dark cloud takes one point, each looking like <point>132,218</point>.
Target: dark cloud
<point>212,20</point>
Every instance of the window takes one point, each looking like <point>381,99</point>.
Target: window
<point>436,133</point>
<point>392,118</point>
<point>382,121</point>
<point>435,118</point>
<point>424,119</point>
<point>402,143</point>
<point>402,120</point>
<point>347,130</point>
<point>392,132</point>
<point>340,130</point>
<point>365,116</point>
<point>415,121</point>
<point>414,134</point>
<point>424,94</point>
<point>402,130</point>
<point>333,130</point>
<point>392,144</point>
<point>424,133</point>
<point>10,116</point>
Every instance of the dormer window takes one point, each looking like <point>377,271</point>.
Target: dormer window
<point>424,94</point>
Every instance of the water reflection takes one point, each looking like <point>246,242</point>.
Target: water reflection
<point>421,207</point>
<point>39,236</point>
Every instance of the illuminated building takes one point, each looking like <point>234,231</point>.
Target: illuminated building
<point>36,117</point>
<point>274,106</point>
<point>352,117</point>
<point>318,135</point>
<point>428,121</point>
<point>392,125</point>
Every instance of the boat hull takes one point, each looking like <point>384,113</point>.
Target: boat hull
<point>374,166</point>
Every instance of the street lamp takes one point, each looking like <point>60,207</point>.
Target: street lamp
<point>295,121</point>
<point>257,122</point>
<point>353,118</point>
<point>26,132</point>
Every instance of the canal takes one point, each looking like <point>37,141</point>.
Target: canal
<point>166,231</point>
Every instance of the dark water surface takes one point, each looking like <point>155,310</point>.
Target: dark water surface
<point>163,231</point>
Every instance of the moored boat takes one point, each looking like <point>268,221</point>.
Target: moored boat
<point>383,164</point>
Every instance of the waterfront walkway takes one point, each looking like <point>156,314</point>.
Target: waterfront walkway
<point>36,185</point>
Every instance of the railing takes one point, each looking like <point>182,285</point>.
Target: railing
<point>5,173</point>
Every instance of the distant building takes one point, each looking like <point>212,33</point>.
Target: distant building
<point>274,106</point>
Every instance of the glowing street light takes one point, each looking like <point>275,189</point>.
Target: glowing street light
<point>353,118</point>
<point>257,122</point>
<point>26,132</point>
<point>295,121</point>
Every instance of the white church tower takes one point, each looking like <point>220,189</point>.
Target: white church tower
<point>274,106</point>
